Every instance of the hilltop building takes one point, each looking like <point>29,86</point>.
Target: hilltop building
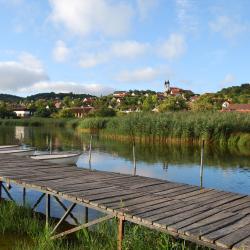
<point>173,91</point>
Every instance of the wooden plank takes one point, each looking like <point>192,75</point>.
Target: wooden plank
<point>233,238</point>
<point>215,235</point>
<point>242,245</point>
<point>197,232</point>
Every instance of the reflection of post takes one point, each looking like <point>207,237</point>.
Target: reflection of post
<point>201,167</point>
<point>90,151</point>
<point>134,160</point>
<point>165,165</point>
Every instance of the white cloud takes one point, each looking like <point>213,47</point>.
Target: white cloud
<point>91,16</point>
<point>24,72</point>
<point>173,47</point>
<point>145,6</point>
<point>122,49</point>
<point>229,78</point>
<point>146,74</point>
<point>61,51</point>
<point>92,60</point>
<point>128,49</point>
<point>65,87</point>
<point>185,15</point>
<point>227,26</point>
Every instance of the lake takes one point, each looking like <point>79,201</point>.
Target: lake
<point>225,168</point>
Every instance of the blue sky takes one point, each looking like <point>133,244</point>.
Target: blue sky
<point>98,46</point>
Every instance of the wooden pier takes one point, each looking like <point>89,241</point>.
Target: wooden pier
<point>216,219</point>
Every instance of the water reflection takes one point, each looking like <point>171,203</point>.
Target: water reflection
<point>224,168</point>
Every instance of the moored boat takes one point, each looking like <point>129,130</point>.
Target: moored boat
<point>58,158</point>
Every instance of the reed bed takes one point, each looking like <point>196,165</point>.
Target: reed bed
<point>188,126</point>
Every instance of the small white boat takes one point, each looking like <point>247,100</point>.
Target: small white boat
<point>9,147</point>
<point>19,152</point>
<point>58,158</point>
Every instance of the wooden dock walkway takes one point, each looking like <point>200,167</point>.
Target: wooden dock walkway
<point>217,219</point>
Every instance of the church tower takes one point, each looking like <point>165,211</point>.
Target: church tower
<point>167,87</point>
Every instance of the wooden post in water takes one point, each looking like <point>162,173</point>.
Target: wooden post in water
<point>134,159</point>
<point>47,209</point>
<point>201,167</point>
<point>50,145</point>
<point>120,232</point>
<point>90,151</point>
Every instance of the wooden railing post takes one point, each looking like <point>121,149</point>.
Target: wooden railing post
<point>0,190</point>
<point>120,232</point>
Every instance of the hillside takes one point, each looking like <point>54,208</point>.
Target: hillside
<point>53,95</point>
<point>244,89</point>
<point>10,98</point>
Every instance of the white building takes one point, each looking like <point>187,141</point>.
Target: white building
<point>22,112</point>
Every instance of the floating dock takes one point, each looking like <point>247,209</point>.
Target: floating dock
<point>208,217</point>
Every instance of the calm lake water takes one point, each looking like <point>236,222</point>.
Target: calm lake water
<point>224,168</point>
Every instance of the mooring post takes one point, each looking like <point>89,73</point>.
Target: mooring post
<point>47,209</point>
<point>134,159</point>
<point>24,196</point>
<point>201,167</point>
<point>90,151</point>
<point>120,232</point>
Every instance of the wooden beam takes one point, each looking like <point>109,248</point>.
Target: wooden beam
<point>75,229</point>
<point>65,209</point>
<point>64,217</point>
<point>38,201</point>
<point>7,192</point>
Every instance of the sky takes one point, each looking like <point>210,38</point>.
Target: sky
<point>98,46</point>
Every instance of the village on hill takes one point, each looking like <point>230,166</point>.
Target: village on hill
<point>66,105</point>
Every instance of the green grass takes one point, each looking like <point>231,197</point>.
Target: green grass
<point>32,234</point>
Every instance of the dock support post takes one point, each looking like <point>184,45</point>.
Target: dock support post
<point>90,151</point>
<point>86,215</point>
<point>47,209</point>
<point>24,196</point>
<point>134,159</point>
<point>120,232</point>
<point>201,167</point>
<point>0,190</point>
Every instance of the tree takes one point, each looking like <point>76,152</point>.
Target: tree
<point>173,103</point>
<point>66,113</point>
<point>149,103</point>
<point>203,103</point>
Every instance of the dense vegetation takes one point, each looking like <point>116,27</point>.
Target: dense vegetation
<point>238,94</point>
<point>28,232</point>
<point>10,98</point>
<point>210,126</point>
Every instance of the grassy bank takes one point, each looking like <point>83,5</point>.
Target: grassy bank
<point>28,232</point>
<point>229,128</point>
<point>38,122</point>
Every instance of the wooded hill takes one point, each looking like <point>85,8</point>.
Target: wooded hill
<point>45,96</point>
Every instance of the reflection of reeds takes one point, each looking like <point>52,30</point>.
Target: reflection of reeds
<point>29,233</point>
